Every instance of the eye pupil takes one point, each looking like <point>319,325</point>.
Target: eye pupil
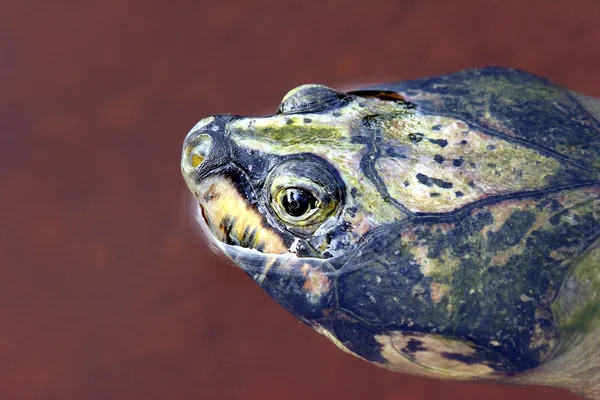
<point>298,202</point>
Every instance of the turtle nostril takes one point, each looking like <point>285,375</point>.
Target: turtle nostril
<point>196,160</point>
<point>196,152</point>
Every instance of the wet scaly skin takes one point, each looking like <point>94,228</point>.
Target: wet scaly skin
<point>444,227</point>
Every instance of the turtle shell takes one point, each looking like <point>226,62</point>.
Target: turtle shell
<point>453,229</point>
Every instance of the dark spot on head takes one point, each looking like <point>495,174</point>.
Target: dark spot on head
<point>434,194</point>
<point>491,165</point>
<point>415,137</point>
<point>427,181</point>
<point>463,142</point>
<point>440,142</point>
<point>394,152</point>
<point>424,180</point>
<point>211,194</point>
<point>307,120</point>
<point>361,104</point>
<point>471,184</point>
<point>406,184</point>
<point>491,147</point>
<point>354,192</point>
<point>457,162</point>
<point>438,158</point>
<point>441,183</point>
<point>436,127</point>
<point>459,193</point>
<point>473,165</point>
<point>337,114</point>
<point>289,121</point>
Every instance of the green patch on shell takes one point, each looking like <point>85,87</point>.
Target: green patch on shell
<point>578,304</point>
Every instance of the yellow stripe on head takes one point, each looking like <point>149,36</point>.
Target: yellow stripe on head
<point>230,216</point>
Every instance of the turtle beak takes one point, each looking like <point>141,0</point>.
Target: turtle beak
<point>224,190</point>
<point>205,148</point>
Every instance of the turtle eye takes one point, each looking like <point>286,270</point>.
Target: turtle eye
<point>298,203</point>
<point>302,194</point>
<point>303,206</point>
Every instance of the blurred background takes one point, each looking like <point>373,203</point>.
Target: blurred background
<point>106,289</point>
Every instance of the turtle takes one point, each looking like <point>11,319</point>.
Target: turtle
<point>445,227</point>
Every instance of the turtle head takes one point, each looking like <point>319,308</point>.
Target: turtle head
<point>279,184</point>
<point>287,196</point>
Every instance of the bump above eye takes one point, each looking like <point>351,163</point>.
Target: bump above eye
<point>311,98</point>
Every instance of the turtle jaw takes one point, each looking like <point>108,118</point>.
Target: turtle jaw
<point>228,211</point>
<point>232,216</point>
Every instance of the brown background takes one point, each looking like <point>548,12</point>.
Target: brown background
<point>106,290</point>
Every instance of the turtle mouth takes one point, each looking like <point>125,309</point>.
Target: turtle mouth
<point>229,203</point>
<point>229,183</point>
<point>229,209</point>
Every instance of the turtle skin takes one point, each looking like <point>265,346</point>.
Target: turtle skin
<point>455,231</point>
